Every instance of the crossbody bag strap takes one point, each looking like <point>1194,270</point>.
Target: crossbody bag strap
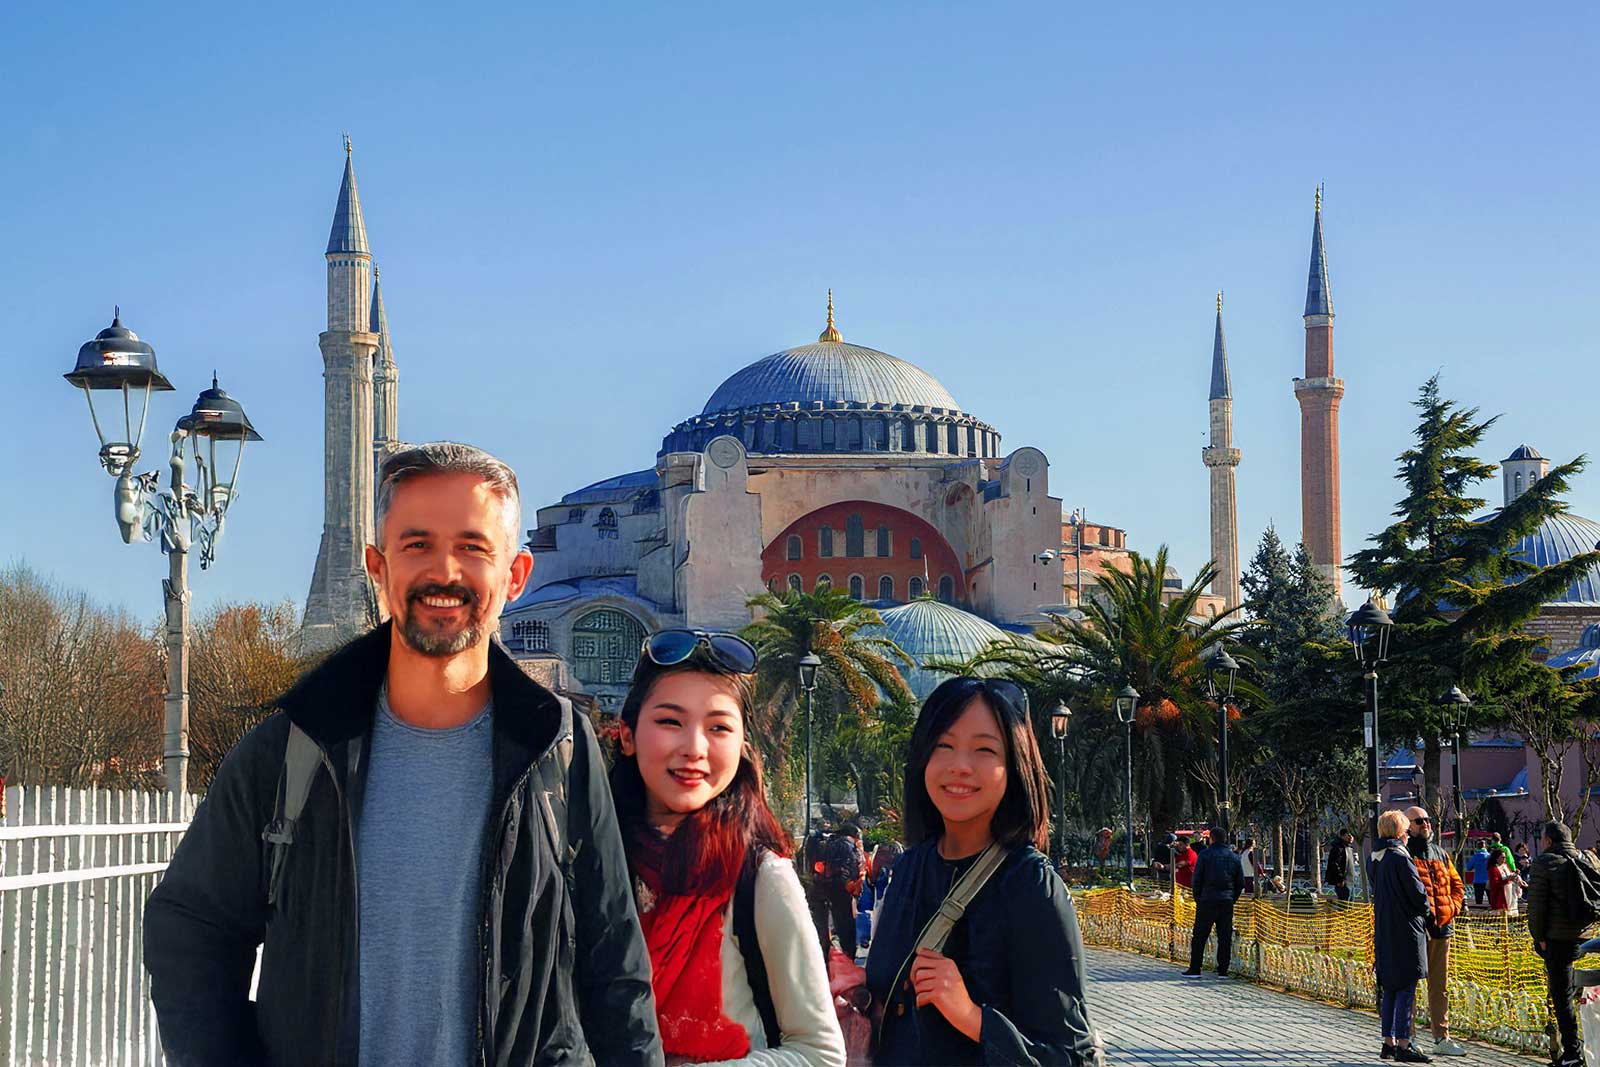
<point>938,929</point>
<point>302,758</point>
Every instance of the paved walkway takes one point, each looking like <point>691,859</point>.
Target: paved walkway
<point>1150,1017</point>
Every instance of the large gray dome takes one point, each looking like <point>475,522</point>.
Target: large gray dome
<point>830,372</point>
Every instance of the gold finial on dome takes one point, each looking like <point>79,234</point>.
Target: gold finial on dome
<point>1219,301</point>
<point>347,142</point>
<point>832,332</point>
<point>1319,196</point>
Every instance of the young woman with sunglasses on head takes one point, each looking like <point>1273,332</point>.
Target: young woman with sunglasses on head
<point>735,968</point>
<point>1007,986</point>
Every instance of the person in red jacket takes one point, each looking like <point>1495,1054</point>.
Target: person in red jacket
<point>1500,879</point>
<point>1183,860</point>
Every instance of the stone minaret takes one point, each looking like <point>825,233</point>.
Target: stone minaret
<point>1221,458</point>
<point>385,382</point>
<point>341,604</point>
<point>1319,393</point>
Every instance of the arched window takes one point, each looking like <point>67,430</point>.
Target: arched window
<point>795,584</point>
<point>930,436</point>
<point>857,588</point>
<point>883,541</point>
<point>530,635</point>
<point>575,515</point>
<point>854,537</point>
<point>824,581</point>
<point>886,588</point>
<point>853,442</point>
<point>825,541</point>
<point>916,548</point>
<point>947,588</point>
<point>953,439</point>
<point>605,647</point>
<point>908,435</point>
<point>827,435</point>
<point>794,546</point>
<point>605,527</point>
<point>914,588</point>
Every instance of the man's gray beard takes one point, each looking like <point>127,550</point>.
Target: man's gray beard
<point>441,644</point>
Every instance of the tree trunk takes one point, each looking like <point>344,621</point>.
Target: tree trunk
<point>1316,860</point>
<point>1431,788</point>
<point>1277,852</point>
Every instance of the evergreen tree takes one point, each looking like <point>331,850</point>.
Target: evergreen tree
<point>1460,595</point>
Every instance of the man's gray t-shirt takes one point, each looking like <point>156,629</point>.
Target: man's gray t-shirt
<point>419,855</point>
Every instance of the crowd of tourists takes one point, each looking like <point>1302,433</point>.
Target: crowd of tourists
<point>436,865</point>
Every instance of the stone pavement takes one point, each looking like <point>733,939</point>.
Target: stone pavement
<point>1150,1017</point>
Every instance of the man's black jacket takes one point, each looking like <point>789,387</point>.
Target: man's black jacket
<point>545,997</point>
<point>1218,875</point>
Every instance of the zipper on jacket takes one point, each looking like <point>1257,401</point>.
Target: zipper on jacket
<point>354,901</point>
<point>491,850</point>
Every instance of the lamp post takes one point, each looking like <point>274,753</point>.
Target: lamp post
<point>1127,702</point>
<point>1060,719</point>
<point>1369,628</point>
<point>1459,704</point>
<point>808,682</point>
<point>116,361</point>
<point>1221,669</point>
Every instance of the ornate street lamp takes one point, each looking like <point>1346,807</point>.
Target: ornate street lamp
<point>808,682</point>
<point>1127,702</point>
<point>1221,670</point>
<point>1369,628</point>
<point>1458,704</point>
<point>215,431</point>
<point>1060,719</point>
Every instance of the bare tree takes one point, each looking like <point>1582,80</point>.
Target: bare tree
<point>242,658</point>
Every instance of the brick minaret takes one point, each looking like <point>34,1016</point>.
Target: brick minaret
<point>1319,393</point>
<point>340,604</point>
<point>1220,458</point>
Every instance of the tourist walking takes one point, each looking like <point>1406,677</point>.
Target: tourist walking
<point>1478,871</point>
<point>883,860</point>
<point>1400,913</point>
<point>1218,881</point>
<point>1556,931</point>
<point>836,868</point>
<point>385,835</point>
<point>1342,864</point>
<point>1004,983</point>
<point>1447,895</point>
<point>733,954</point>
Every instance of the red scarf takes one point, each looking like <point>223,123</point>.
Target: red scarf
<point>684,936</point>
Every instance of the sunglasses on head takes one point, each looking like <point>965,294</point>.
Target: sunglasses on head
<point>668,648</point>
<point>1009,692</point>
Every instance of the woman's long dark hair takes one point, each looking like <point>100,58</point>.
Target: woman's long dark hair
<point>1023,817</point>
<point>709,847</point>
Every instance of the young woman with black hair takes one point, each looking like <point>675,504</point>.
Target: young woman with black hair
<point>735,968</point>
<point>1008,985</point>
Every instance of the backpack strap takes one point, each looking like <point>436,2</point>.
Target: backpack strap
<point>553,794</point>
<point>302,758</point>
<point>744,933</point>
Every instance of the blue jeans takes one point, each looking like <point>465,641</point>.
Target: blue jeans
<point>1395,1010</point>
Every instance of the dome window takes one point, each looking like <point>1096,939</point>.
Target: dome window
<point>794,546</point>
<point>916,548</point>
<point>605,527</point>
<point>883,541</point>
<point>825,541</point>
<point>605,647</point>
<point>854,537</point>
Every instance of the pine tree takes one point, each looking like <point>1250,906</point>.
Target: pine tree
<point>1460,595</point>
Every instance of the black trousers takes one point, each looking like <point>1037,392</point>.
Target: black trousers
<point>1480,890</point>
<point>835,902</point>
<point>1558,957</point>
<point>1208,914</point>
<point>1342,891</point>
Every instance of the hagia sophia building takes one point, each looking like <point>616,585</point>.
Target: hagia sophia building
<point>827,463</point>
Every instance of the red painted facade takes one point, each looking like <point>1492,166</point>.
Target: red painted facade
<point>899,529</point>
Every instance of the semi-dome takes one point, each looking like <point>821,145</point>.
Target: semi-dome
<point>1586,655</point>
<point>830,372</point>
<point>929,629</point>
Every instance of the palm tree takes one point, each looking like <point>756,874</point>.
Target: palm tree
<point>1132,634</point>
<point>858,669</point>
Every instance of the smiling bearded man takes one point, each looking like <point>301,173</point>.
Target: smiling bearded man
<point>415,903</point>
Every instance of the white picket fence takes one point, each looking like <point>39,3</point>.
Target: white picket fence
<point>75,868</point>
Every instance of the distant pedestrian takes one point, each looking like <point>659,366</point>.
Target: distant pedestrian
<point>1247,860</point>
<point>1342,863</point>
<point>1183,860</point>
<point>1524,861</point>
<point>1556,932</point>
<point>837,868</point>
<point>1218,881</point>
<point>883,860</point>
<point>1446,896</point>
<point>1478,871</point>
<point>1501,879</point>
<point>1400,913</point>
<point>1497,844</point>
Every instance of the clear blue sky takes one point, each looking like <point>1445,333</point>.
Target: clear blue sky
<point>587,217</point>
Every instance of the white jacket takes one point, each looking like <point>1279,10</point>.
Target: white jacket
<point>795,976</point>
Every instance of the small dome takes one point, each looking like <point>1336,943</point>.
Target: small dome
<point>1586,655</point>
<point>830,372</point>
<point>930,629</point>
<point>1557,540</point>
<point>1523,452</point>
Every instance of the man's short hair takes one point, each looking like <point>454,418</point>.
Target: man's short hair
<point>1392,822</point>
<point>449,457</point>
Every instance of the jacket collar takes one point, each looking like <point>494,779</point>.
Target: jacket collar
<point>335,700</point>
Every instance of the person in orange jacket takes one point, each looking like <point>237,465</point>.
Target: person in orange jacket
<point>1447,894</point>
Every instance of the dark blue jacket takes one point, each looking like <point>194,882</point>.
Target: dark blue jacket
<point>1218,876</point>
<point>1019,952</point>
<point>1400,914</point>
